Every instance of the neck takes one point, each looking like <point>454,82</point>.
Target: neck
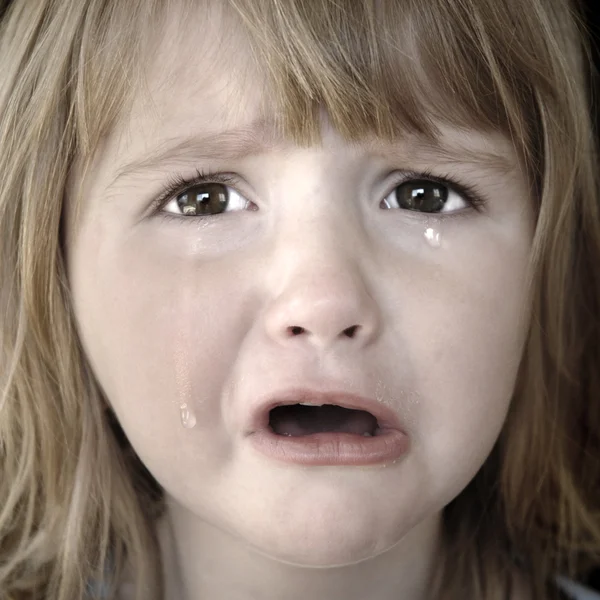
<point>201,561</point>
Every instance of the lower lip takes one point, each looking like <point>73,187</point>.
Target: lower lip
<point>319,449</point>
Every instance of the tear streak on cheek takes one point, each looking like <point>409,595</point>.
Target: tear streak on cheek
<point>183,349</point>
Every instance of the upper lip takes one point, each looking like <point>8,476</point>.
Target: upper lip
<point>259,418</point>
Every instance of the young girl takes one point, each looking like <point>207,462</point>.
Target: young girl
<point>370,370</point>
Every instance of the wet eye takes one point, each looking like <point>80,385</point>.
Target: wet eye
<point>206,199</point>
<point>426,196</point>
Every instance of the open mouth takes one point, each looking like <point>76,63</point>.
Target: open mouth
<point>308,428</point>
<point>302,420</point>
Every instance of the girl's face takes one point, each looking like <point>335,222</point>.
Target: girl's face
<point>175,309</point>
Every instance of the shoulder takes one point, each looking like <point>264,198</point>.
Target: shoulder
<point>575,590</point>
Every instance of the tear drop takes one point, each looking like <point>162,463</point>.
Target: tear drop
<point>433,237</point>
<point>188,418</point>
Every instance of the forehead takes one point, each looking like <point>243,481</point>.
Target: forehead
<point>202,77</point>
<point>202,71</point>
<point>374,69</point>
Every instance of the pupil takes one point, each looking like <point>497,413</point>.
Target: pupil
<point>425,196</point>
<point>206,199</point>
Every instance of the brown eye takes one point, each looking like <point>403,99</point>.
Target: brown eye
<point>205,199</point>
<point>422,195</point>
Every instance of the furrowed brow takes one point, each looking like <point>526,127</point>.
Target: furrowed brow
<point>503,163</point>
<point>233,144</point>
<point>236,144</point>
<point>476,148</point>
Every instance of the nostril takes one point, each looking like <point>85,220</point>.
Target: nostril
<point>351,330</point>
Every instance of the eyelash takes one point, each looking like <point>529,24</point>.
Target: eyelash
<point>178,184</point>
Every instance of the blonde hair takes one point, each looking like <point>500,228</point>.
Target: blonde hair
<point>75,503</point>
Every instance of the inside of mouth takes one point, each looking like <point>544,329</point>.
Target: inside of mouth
<point>299,420</point>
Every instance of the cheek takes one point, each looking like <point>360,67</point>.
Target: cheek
<point>465,335</point>
<point>157,331</point>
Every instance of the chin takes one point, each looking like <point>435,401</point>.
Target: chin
<point>321,556</point>
<point>320,544</point>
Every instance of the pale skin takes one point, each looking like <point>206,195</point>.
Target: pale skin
<point>197,311</point>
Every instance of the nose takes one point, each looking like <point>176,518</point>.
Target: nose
<point>323,299</point>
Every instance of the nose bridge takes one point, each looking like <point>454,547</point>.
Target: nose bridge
<point>318,272</point>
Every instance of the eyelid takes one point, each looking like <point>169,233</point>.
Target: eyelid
<point>178,184</point>
<point>471,193</point>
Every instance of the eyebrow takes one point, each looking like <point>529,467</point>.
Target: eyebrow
<point>503,163</point>
<point>236,144</point>
<point>449,152</point>
<point>232,144</point>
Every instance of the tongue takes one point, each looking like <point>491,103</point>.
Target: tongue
<point>304,420</point>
